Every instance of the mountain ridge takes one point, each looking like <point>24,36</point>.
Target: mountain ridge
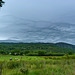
<point>58,44</point>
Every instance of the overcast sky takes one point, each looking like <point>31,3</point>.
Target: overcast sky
<point>38,20</point>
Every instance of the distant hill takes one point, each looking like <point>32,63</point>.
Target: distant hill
<point>49,47</point>
<point>65,45</point>
<point>59,44</point>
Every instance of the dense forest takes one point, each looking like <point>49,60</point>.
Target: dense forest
<point>34,48</point>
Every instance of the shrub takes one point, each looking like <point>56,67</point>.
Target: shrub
<point>26,52</point>
<point>24,71</point>
<point>15,52</point>
<point>70,53</point>
<point>32,54</point>
<point>56,54</point>
<point>13,64</point>
<point>41,53</point>
<point>3,52</point>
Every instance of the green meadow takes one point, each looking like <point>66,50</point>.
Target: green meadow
<point>37,65</point>
<point>37,59</point>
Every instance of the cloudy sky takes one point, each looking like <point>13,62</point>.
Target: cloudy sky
<point>38,20</point>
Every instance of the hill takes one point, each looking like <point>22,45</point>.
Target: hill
<point>49,47</point>
<point>65,45</point>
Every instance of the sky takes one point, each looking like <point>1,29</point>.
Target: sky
<point>38,20</point>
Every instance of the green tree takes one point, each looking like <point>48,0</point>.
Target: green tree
<point>70,53</point>
<point>41,53</point>
<point>26,52</point>
<point>15,52</point>
<point>2,52</point>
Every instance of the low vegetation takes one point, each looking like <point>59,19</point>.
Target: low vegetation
<point>35,49</point>
<point>36,59</point>
<point>35,65</point>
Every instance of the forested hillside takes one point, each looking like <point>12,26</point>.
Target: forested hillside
<point>48,47</point>
<point>65,45</point>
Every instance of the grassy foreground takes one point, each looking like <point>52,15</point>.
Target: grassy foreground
<point>36,65</point>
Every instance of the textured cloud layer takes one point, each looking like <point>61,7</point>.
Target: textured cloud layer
<point>37,31</point>
<point>38,21</point>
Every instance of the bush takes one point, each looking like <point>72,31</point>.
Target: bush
<point>32,54</point>
<point>3,52</point>
<point>26,52</point>
<point>58,54</point>
<point>55,54</point>
<point>72,57</point>
<point>41,53</point>
<point>70,53</point>
<point>24,71</point>
<point>12,64</point>
<point>15,52</point>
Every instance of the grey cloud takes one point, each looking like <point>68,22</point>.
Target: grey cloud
<point>38,20</point>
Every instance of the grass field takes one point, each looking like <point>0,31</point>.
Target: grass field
<point>36,65</point>
<point>7,58</point>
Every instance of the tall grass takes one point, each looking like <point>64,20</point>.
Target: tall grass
<point>45,65</point>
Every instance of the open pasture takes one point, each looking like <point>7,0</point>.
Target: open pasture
<point>15,58</point>
<point>36,65</point>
